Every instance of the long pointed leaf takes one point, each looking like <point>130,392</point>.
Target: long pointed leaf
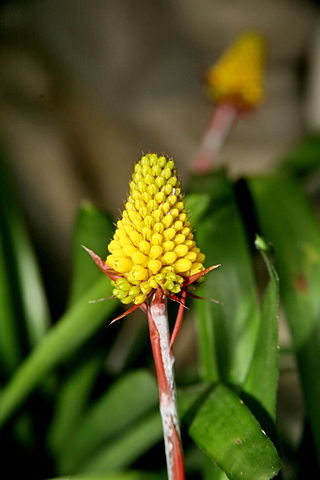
<point>71,402</point>
<point>29,292</point>
<point>229,434</point>
<point>227,332</point>
<point>211,471</point>
<point>110,416</point>
<point>288,222</point>
<point>304,158</point>
<point>10,347</point>
<point>73,329</point>
<point>115,476</point>
<point>93,228</point>
<point>197,204</point>
<point>266,355</point>
<point>125,450</point>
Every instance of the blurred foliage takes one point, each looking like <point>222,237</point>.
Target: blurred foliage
<point>65,414</point>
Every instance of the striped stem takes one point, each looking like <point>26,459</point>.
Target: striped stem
<point>164,361</point>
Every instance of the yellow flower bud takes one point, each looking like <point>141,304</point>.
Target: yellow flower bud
<point>182,265</point>
<point>153,244</point>
<point>139,258</point>
<point>237,77</point>
<point>122,265</point>
<point>155,251</point>
<point>168,258</point>
<point>154,266</point>
<point>181,250</point>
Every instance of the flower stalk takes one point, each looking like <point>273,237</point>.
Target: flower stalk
<point>219,126</point>
<point>164,362</point>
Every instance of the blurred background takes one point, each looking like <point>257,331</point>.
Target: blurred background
<point>86,86</point>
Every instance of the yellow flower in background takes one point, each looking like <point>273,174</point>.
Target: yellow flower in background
<point>237,77</point>
<point>153,245</point>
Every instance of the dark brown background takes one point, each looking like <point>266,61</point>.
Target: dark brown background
<point>87,85</point>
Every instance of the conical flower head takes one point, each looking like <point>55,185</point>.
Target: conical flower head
<point>153,245</point>
<point>238,75</point>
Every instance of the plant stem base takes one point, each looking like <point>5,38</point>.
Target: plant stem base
<point>164,361</point>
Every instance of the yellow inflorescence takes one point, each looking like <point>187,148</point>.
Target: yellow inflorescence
<point>237,77</point>
<point>153,244</point>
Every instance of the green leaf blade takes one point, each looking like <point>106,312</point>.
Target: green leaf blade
<point>70,403</point>
<point>228,433</point>
<point>10,346</point>
<point>196,206</point>
<point>303,160</point>
<point>265,360</point>
<point>115,476</point>
<point>227,332</point>
<point>288,222</point>
<point>111,416</point>
<point>73,329</point>
<point>23,272</point>
<point>127,448</point>
<point>93,228</point>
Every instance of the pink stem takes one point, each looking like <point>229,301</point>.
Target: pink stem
<point>164,360</point>
<point>179,319</point>
<point>219,126</point>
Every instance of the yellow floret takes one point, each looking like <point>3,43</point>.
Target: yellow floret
<point>154,266</point>
<point>238,75</point>
<point>182,265</point>
<point>153,244</point>
<point>169,258</point>
<point>155,251</point>
<point>122,265</point>
<point>181,250</point>
<point>139,258</point>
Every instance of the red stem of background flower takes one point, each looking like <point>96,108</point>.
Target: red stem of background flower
<point>218,128</point>
<point>164,360</point>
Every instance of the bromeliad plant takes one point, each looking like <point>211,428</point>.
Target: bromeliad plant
<point>77,400</point>
<point>153,256</point>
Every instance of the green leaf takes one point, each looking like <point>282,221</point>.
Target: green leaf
<point>288,222</point>
<point>93,228</point>
<point>71,402</point>
<point>10,347</point>
<point>74,328</point>
<point>228,433</point>
<point>196,206</point>
<point>126,402</point>
<point>128,447</point>
<point>33,298</point>
<point>227,332</point>
<point>304,159</point>
<point>189,397</point>
<point>266,355</point>
<point>115,476</point>
<point>211,471</point>
<point>25,279</point>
